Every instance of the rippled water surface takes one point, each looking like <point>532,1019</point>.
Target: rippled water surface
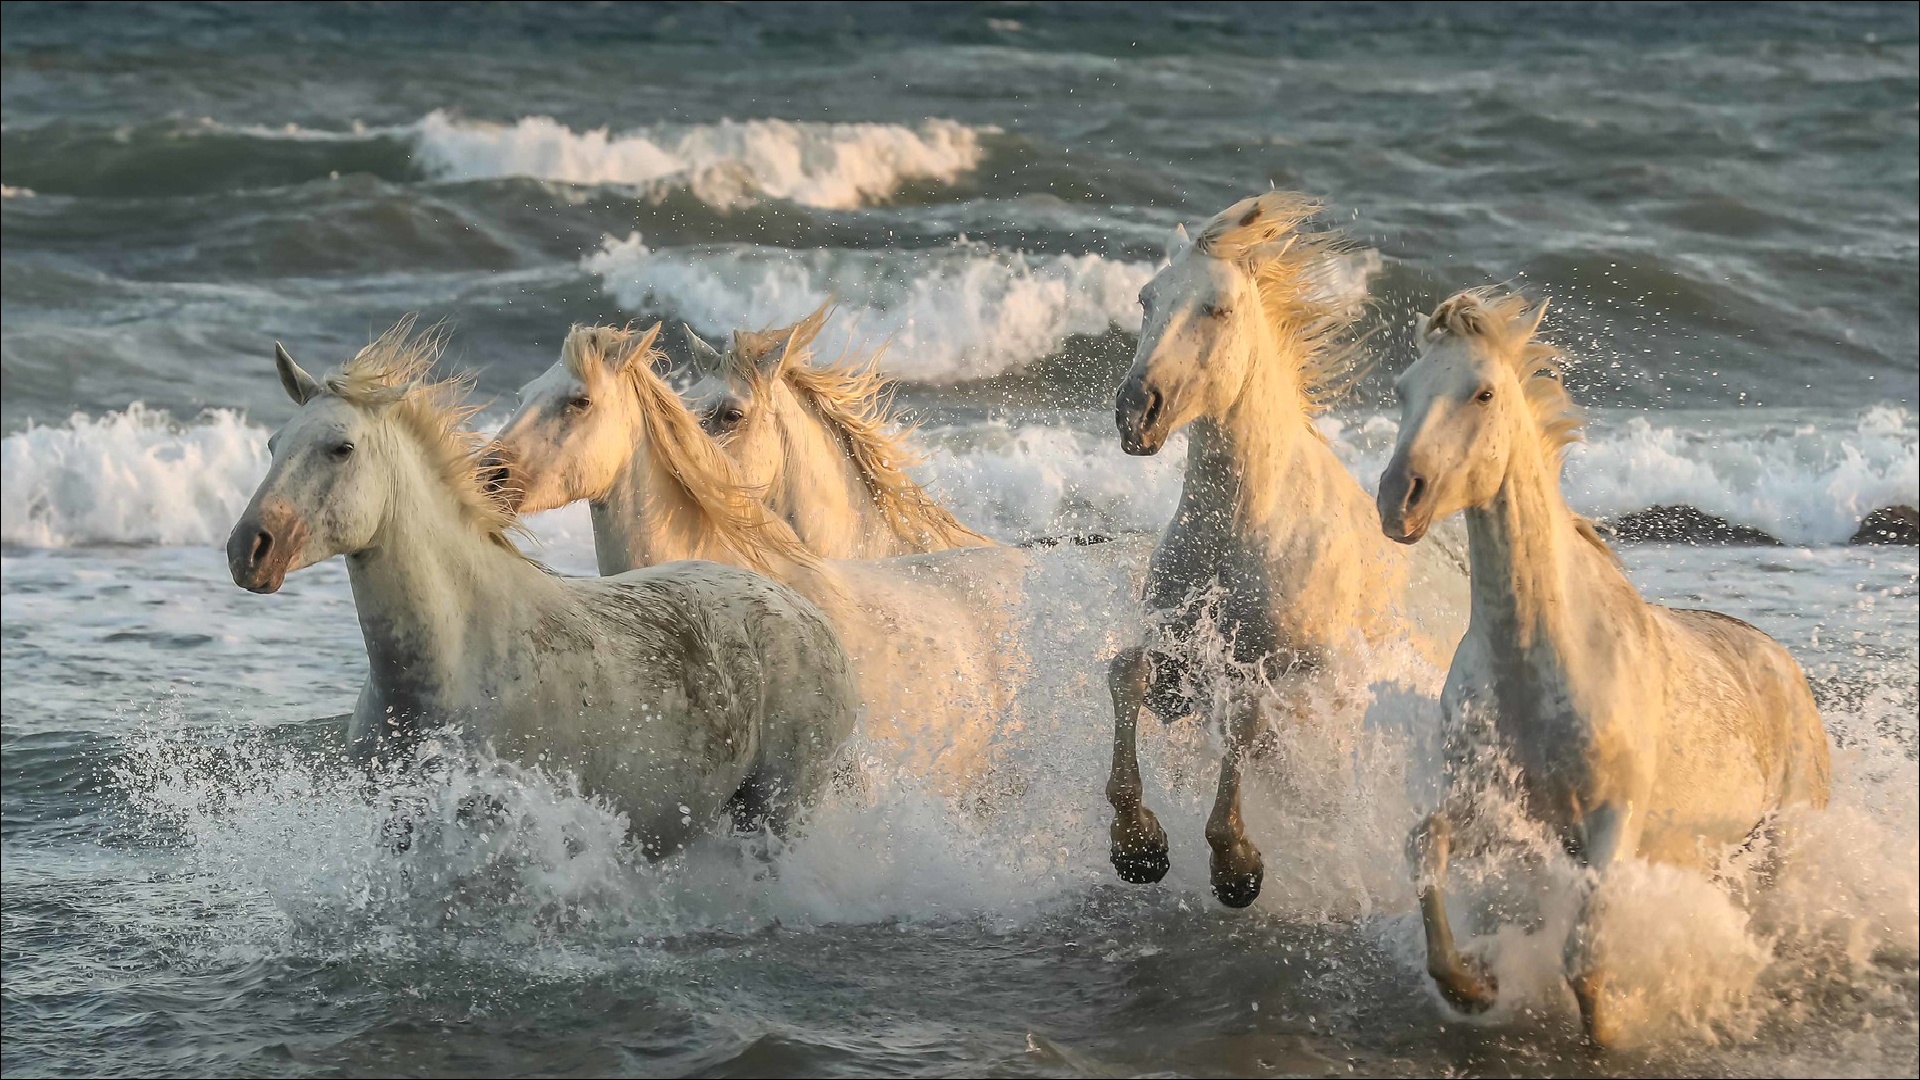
<point>1720,201</point>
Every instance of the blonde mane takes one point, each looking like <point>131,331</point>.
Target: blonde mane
<point>706,481</point>
<point>853,399</point>
<point>1290,268</point>
<point>391,374</point>
<point>1506,323</point>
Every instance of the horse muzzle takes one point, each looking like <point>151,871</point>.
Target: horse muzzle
<point>1405,503</point>
<point>263,545</point>
<point>499,479</point>
<point>1140,412</point>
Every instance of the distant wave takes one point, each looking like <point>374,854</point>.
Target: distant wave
<point>141,477</point>
<point>133,477</point>
<point>726,165</point>
<point>832,166</point>
<point>952,313</point>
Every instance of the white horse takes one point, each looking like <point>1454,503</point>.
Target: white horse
<point>673,692</point>
<point>1636,730</point>
<point>930,636</point>
<point>1241,345</point>
<point>820,443</point>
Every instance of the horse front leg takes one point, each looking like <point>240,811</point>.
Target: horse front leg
<point>1606,836</point>
<point>1237,869</point>
<point>1139,844</point>
<point>1464,981</point>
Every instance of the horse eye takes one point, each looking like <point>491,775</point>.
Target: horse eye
<point>1214,311</point>
<point>1484,396</point>
<point>732,416</point>
<point>579,404</point>
<point>342,449</point>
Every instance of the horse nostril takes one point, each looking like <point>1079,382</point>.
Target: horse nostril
<point>1416,491</point>
<point>262,543</point>
<point>1152,410</point>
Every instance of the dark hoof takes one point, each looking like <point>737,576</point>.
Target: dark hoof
<point>1470,987</point>
<point>1139,850</point>
<point>1141,866</point>
<point>1238,885</point>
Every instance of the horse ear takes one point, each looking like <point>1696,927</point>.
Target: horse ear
<point>640,349</point>
<point>803,334</point>
<point>1539,316</point>
<point>300,386</point>
<point>706,359</point>
<point>1177,241</point>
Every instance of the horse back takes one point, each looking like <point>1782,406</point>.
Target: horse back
<point>1733,675</point>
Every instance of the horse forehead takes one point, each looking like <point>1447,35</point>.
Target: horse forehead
<point>325,417</point>
<point>555,380</point>
<point>1194,276</point>
<point>709,391</point>
<point>1448,363</point>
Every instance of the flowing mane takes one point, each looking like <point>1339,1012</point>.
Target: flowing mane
<point>1506,324</point>
<point>1290,268</point>
<point>391,373</point>
<point>706,483</point>
<point>854,400</point>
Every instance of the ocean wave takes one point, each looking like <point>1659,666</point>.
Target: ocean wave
<point>133,477</point>
<point>953,313</point>
<point>141,477</point>
<point>731,163</point>
<point>1803,483</point>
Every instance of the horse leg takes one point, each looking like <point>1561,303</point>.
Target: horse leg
<point>1139,851</point>
<point>1236,865</point>
<point>1464,981</point>
<point>1607,836</point>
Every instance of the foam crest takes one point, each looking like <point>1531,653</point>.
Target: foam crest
<point>1802,482</point>
<point>950,314</point>
<point>133,477</point>
<point>141,477</point>
<point>728,164</point>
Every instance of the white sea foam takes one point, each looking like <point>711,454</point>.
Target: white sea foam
<point>1802,482</point>
<point>133,477</point>
<point>140,477</point>
<point>950,313</point>
<point>731,163</point>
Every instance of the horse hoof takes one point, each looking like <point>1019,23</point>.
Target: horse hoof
<point>1139,851</point>
<point>1238,888</point>
<point>1470,987</point>
<point>1140,866</point>
<point>1596,1020</point>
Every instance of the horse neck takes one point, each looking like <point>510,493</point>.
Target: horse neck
<point>430,589</point>
<point>645,519</point>
<point>1523,548</point>
<point>633,523</point>
<point>1261,466</point>
<point>820,492</point>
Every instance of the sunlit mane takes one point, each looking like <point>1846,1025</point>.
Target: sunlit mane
<point>1506,324</point>
<point>712,499</point>
<point>1293,270</point>
<point>853,399</point>
<point>392,373</point>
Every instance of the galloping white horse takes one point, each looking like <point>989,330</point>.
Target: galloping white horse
<point>930,636</point>
<point>1242,345</point>
<point>820,443</point>
<point>673,692</point>
<point>1637,730</point>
